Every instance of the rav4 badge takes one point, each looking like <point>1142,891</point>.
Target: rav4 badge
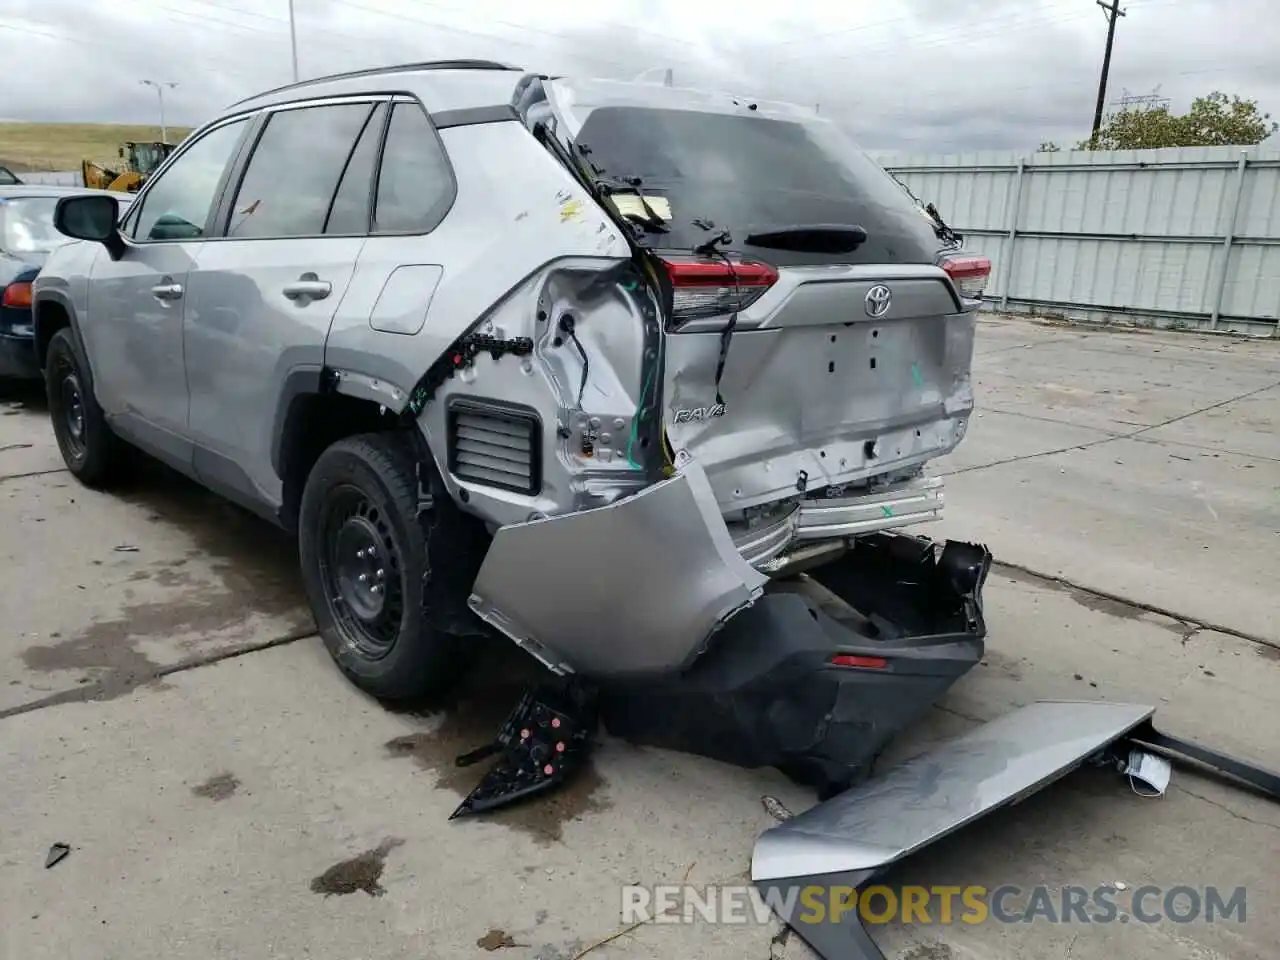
<point>698,414</point>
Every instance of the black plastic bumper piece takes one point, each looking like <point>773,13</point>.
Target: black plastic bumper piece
<point>817,689</point>
<point>814,688</point>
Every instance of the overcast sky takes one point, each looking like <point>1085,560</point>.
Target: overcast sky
<point>919,75</point>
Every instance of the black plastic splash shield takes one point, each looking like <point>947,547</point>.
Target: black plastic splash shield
<point>544,740</point>
<point>817,689</point>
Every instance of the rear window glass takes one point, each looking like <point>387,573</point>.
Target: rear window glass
<point>745,173</point>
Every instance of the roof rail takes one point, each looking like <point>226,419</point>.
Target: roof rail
<point>391,68</point>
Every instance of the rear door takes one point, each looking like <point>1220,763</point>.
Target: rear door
<point>263,293</point>
<point>815,336</point>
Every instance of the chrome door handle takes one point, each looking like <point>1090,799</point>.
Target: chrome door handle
<point>167,291</point>
<point>308,289</point>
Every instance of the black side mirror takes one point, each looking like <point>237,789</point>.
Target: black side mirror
<point>92,218</point>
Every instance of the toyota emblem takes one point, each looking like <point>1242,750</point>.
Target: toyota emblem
<point>877,301</point>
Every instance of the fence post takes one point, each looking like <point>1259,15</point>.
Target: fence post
<point>1229,237</point>
<point>1006,254</point>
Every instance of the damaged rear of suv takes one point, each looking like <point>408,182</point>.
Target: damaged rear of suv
<point>642,378</point>
<point>806,331</point>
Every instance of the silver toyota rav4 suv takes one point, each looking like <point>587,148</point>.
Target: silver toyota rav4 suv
<point>584,362</point>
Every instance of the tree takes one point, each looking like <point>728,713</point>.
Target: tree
<point>1214,120</point>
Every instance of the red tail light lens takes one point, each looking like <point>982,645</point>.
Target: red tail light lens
<point>969,274</point>
<point>853,660</point>
<point>16,295</point>
<point>705,287</point>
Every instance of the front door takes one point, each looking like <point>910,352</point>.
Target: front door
<point>262,295</point>
<point>136,303</point>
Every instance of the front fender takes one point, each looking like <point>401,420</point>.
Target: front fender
<point>64,281</point>
<point>46,322</point>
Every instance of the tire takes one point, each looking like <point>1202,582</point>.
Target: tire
<point>91,450</point>
<point>361,495</point>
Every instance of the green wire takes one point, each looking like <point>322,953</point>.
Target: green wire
<point>635,420</point>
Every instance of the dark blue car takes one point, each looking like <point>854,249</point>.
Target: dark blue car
<point>27,235</point>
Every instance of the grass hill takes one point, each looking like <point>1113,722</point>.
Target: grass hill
<point>61,146</point>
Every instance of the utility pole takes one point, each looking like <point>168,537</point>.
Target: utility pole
<point>293,41</point>
<point>1112,11</point>
<point>160,85</point>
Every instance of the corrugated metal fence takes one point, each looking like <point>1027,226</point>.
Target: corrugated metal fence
<point>1172,238</point>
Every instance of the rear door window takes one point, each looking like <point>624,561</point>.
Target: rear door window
<point>290,181</point>
<point>415,182</point>
<point>350,211</point>
<point>748,172</point>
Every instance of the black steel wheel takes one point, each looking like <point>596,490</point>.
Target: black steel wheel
<point>72,411</point>
<point>91,451</point>
<point>365,564</point>
<point>362,571</point>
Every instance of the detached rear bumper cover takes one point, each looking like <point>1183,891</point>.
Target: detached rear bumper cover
<point>637,587</point>
<point>851,838</point>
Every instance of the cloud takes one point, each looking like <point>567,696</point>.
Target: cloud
<point>920,75</point>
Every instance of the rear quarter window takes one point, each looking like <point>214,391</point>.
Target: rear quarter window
<point>747,172</point>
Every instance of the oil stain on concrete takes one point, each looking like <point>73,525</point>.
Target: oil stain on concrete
<point>473,720</point>
<point>218,787</point>
<point>359,873</point>
<point>254,572</point>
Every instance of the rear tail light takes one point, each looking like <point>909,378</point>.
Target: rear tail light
<point>705,287</point>
<point>16,295</point>
<point>969,274</point>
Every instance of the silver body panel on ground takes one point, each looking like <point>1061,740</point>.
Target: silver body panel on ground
<point>936,793</point>
<point>657,568</point>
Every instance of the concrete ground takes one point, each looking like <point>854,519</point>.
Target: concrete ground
<point>166,712</point>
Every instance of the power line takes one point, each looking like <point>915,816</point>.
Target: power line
<point>30,28</point>
<point>463,31</point>
<point>1113,13</point>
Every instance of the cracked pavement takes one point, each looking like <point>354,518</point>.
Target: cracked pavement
<point>167,713</point>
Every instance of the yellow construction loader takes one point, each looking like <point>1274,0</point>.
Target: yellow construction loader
<point>140,161</point>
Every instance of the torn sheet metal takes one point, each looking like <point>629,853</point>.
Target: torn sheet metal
<point>634,587</point>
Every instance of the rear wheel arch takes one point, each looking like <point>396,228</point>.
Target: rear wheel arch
<point>310,417</point>
<point>393,613</point>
